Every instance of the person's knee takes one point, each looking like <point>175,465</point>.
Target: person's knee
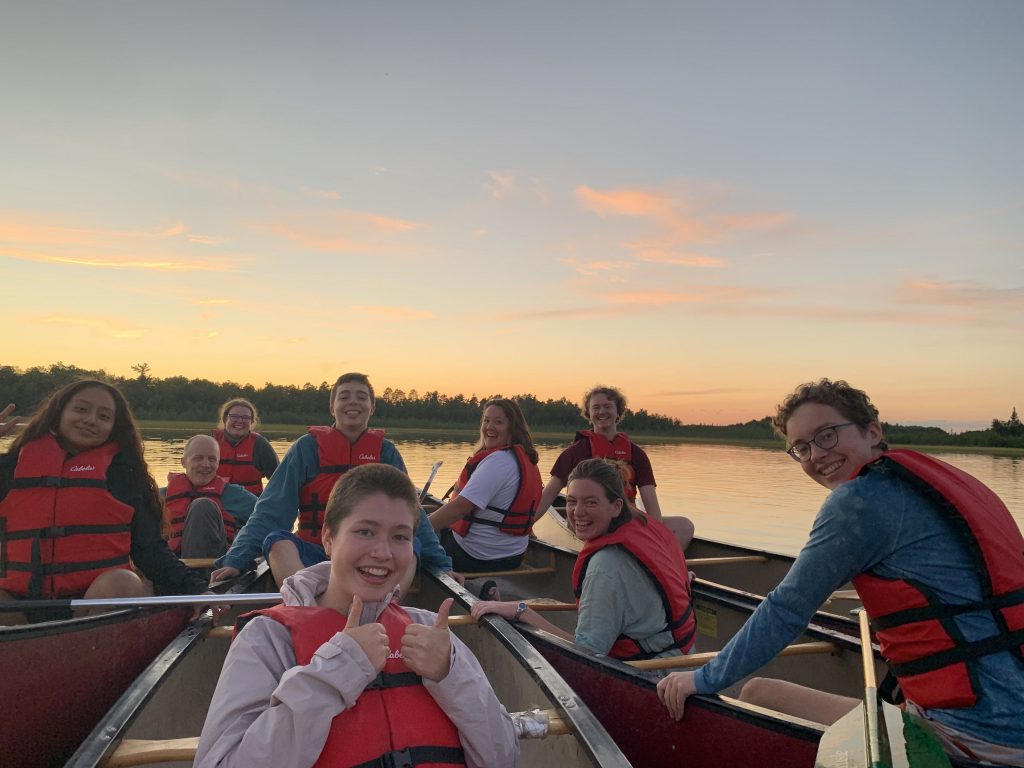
<point>204,508</point>
<point>283,548</point>
<point>756,690</point>
<point>119,582</point>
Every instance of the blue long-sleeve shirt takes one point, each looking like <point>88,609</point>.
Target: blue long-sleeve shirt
<point>880,523</point>
<point>278,507</point>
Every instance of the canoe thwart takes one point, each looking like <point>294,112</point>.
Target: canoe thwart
<point>733,559</point>
<point>533,724</point>
<point>526,569</point>
<point>700,659</point>
<point>199,562</point>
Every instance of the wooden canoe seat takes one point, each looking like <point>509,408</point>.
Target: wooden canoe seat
<point>132,752</point>
<point>199,562</point>
<point>525,569</point>
<point>700,659</point>
<point>735,559</point>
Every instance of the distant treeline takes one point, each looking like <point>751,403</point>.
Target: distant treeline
<point>177,398</point>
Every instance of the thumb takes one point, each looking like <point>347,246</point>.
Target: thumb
<point>442,613</point>
<point>355,612</point>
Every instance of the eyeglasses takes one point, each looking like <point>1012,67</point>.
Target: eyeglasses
<point>245,419</point>
<point>824,438</point>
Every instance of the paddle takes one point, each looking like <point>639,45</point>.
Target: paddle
<point>430,479</point>
<point>862,739</point>
<point>161,601</point>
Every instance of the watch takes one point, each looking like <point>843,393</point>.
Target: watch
<point>520,610</point>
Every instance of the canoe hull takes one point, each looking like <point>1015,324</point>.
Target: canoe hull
<point>61,677</point>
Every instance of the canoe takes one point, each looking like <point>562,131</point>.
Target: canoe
<point>170,700</point>
<point>60,677</point>
<point>717,730</point>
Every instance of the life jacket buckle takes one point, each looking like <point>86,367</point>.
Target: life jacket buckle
<point>397,758</point>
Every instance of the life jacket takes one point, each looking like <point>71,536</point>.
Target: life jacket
<point>395,721</point>
<point>916,631</point>
<point>620,449</point>
<point>60,527</point>
<point>237,462</point>
<point>656,549</point>
<point>181,493</point>
<point>517,520</point>
<point>336,456</point>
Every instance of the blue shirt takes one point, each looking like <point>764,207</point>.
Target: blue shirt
<point>879,523</point>
<point>278,508</point>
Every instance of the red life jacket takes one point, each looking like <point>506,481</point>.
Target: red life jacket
<point>395,721</point>
<point>657,549</point>
<point>237,462</point>
<point>620,449</point>
<point>181,493</point>
<point>60,527</point>
<point>517,520</point>
<point>336,457</point>
<point>916,631</point>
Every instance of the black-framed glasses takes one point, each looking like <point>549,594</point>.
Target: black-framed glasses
<point>824,438</point>
<point>244,418</point>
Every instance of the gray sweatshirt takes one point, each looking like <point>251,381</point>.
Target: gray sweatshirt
<point>269,711</point>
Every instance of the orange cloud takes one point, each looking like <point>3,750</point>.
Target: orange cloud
<point>111,261</point>
<point>682,259</point>
<point>105,326</point>
<point>391,224</point>
<point>597,266</point>
<point>963,294</point>
<point>652,298</point>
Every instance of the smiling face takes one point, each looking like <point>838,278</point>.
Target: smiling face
<point>238,422</point>
<point>832,467</point>
<point>201,460</point>
<point>370,550</point>
<point>602,412</point>
<point>352,408</point>
<point>87,420</point>
<point>588,509</point>
<point>495,430</point>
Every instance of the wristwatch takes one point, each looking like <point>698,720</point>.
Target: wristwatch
<point>520,610</point>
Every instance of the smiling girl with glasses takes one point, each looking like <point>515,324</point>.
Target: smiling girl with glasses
<point>246,457</point>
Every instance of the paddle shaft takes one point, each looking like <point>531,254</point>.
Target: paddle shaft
<point>430,479</point>
<point>145,602</point>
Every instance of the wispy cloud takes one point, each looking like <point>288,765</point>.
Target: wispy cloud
<point>653,255</point>
<point>501,184</point>
<point>963,294</point>
<point>157,263</point>
<point>113,328</point>
<point>652,298</point>
<point>596,266</point>
<point>397,314</point>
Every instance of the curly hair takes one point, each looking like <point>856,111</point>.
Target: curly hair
<point>854,404</point>
<point>612,393</point>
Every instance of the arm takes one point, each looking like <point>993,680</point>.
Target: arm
<point>277,507</point>
<point>649,497</point>
<point>547,498</point>
<point>431,552</point>
<point>507,610</point>
<point>451,512</point>
<point>849,536</point>
<point>268,711</point>
<point>263,457</point>
<point>238,502</point>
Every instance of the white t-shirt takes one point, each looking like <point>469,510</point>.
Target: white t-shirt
<point>494,483</point>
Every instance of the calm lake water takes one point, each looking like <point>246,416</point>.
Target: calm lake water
<point>753,496</point>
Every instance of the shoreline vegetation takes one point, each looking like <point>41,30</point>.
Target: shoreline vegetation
<point>178,405</point>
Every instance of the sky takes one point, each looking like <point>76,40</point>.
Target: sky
<point>703,203</point>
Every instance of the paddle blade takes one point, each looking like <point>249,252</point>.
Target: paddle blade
<point>907,742</point>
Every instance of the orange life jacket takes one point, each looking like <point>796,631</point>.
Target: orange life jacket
<point>915,629</point>
<point>181,493</point>
<point>60,527</point>
<point>237,462</point>
<point>395,721</point>
<point>620,449</point>
<point>336,456</point>
<point>517,520</point>
<point>657,549</point>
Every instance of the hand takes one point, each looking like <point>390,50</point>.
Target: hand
<point>372,638</point>
<point>674,690</point>
<point>428,650</point>
<point>504,608</point>
<point>8,426</point>
<point>224,574</point>
<point>458,577</point>
<point>217,610</point>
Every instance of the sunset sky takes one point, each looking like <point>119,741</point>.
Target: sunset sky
<point>704,203</point>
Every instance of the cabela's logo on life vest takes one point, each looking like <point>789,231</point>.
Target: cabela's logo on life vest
<point>241,455</point>
<point>367,457</point>
<point>395,654</point>
<point>85,468</point>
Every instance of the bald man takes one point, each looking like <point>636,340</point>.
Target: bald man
<point>202,509</point>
